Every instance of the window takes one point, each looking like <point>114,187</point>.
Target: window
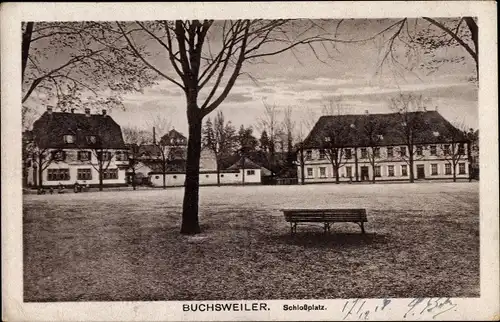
<point>390,170</point>
<point>461,168</point>
<point>322,172</point>
<point>103,156</point>
<point>378,173</point>
<point>419,150</point>
<point>376,152</point>
<point>310,172</point>
<point>236,175</point>
<point>433,150</point>
<point>84,174</point>
<point>380,137</point>
<point>121,156</point>
<point>402,151</point>
<point>390,152</point>
<point>175,177</point>
<point>327,139</point>
<point>446,149</point>
<point>110,174</point>
<point>461,149</point>
<point>157,177</point>
<point>91,139</point>
<point>348,172</point>
<point>250,172</point>
<point>322,154</point>
<point>84,155</point>
<point>58,175</point>
<point>434,169</point>
<point>206,176</point>
<point>309,155</point>
<point>69,139</point>
<point>58,155</point>
<point>222,176</point>
<point>348,153</point>
<point>404,170</point>
<point>364,154</point>
<point>447,168</point>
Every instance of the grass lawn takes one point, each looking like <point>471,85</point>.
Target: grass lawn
<point>422,241</point>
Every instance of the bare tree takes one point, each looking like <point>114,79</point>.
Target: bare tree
<point>454,150</point>
<point>135,135</point>
<point>220,138</point>
<point>77,64</point>
<point>409,109</point>
<point>337,135</point>
<point>410,44</point>
<point>373,134</point>
<point>210,55</point>
<point>269,122</point>
<point>288,126</point>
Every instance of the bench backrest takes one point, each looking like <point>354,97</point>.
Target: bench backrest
<point>325,214</point>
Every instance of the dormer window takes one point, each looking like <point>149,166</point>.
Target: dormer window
<point>91,139</point>
<point>69,139</point>
<point>58,155</point>
<point>380,137</point>
<point>435,133</point>
<point>327,139</point>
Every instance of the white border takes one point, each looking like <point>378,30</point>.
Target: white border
<point>484,308</point>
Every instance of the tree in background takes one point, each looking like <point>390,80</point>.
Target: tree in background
<point>455,149</point>
<point>409,108</point>
<point>220,137</point>
<point>264,141</point>
<point>373,133</point>
<point>269,122</point>
<point>288,126</point>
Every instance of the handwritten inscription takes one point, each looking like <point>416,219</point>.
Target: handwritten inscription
<point>361,309</point>
<point>357,309</point>
<point>434,306</point>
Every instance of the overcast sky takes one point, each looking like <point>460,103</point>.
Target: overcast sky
<point>306,84</point>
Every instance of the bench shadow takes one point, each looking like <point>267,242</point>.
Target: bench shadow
<point>322,240</point>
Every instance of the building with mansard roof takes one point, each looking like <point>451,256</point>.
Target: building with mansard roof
<point>383,147</point>
<point>67,148</point>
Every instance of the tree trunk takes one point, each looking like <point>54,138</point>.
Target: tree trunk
<point>302,166</point>
<point>356,163</point>
<point>218,171</point>
<point>133,178</point>
<point>190,223</point>
<point>243,170</point>
<point>164,180</point>
<point>26,42</point>
<point>454,171</point>
<point>410,163</point>
<point>373,170</point>
<point>100,180</point>
<point>474,35</point>
<point>40,177</point>
<point>337,177</point>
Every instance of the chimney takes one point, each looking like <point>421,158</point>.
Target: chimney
<point>436,108</point>
<point>104,112</point>
<point>154,135</point>
<point>49,109</point>
<point>366,112</point>
<point>87,112</point>
<point>72,110</point>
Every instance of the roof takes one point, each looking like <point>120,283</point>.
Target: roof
<point>352,130</point>
<point>244,163</point>
<point>173,137</point>
<point>49,131</point>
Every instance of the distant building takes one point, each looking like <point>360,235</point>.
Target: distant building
<point>438,148</point>
<point>68,148</point>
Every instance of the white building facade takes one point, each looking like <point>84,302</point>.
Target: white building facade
<point>69,148</point>
<point>440,151</point>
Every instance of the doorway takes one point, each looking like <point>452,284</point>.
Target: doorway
<point>364,174</point>
<point>420,171</point>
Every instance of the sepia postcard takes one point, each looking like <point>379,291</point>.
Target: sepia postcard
<point>250,161</point>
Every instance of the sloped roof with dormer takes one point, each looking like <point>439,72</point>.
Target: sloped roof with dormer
<point>427,127</point>
<point>49,131</point>
<point>173,137</point>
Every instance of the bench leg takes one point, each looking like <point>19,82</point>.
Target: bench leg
<point>327,228</point>
<point>293,228</point>
<point>362,227</point>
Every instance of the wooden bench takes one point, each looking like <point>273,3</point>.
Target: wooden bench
<point>326,216</point>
